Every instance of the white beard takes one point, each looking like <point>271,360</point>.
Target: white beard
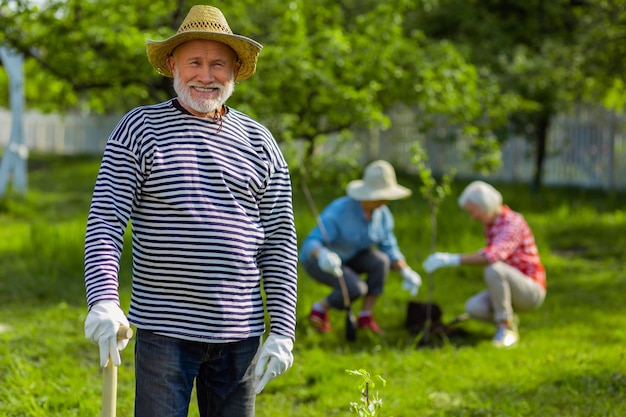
<point>203,105</point>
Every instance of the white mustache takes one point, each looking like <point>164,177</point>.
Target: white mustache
<point>205,87</point>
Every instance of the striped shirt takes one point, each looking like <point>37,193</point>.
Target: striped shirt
<point>212,225</point>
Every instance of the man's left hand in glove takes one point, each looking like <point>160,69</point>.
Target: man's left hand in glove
<point>275,358</point>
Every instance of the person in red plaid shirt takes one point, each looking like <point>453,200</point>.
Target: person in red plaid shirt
<point>513,272</point>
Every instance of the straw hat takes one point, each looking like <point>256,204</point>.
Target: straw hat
<point>205,22</point>
<point>378,183</point>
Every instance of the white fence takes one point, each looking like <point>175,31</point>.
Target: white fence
<point>70,134</point>
<point>585,149</point>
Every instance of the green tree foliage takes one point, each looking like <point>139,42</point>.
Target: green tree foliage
<point>604,44</point>
<point>327,67</point>
<point>341,65</point>
<point>84,55</point>
<point>550,53</point>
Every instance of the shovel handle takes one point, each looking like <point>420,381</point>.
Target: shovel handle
<point>124,333</point>
<point>350,319</point>
<point>109,379</point>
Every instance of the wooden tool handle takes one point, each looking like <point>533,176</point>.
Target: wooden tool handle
<point>124,333</point>
<point>109,379</point>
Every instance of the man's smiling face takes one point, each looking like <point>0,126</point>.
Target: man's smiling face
<point>204,75</point>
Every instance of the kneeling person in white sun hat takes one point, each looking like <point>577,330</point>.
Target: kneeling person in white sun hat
<point>354,237</point>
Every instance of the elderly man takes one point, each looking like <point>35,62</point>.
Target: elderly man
<point>513,272</point>
<point>208,193</point>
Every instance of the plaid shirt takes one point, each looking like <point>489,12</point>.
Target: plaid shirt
<point>510,240</point>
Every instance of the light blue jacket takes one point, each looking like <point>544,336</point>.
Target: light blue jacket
<point>346,232</point>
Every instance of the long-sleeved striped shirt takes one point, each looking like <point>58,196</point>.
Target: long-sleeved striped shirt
<point>212,224</point>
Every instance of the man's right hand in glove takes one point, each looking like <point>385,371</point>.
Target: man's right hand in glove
<point>328,261</point>
<point>101,326</point>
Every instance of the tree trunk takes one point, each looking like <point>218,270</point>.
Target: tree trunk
<point>542,126</point>
<point>13,164</point>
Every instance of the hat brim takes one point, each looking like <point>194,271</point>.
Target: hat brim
<point>359,191</point>
<point>247,50</point>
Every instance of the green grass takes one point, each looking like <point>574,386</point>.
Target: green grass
<point>570,361</point>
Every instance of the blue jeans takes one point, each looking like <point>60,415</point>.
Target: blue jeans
<point>371,262</point>
<point>165,370</point>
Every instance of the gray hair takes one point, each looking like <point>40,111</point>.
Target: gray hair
<point>483,195</point>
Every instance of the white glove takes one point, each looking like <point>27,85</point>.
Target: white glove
<point>328,261</point>
<point>275,359</point>
<point>440,259</point>
<point>411,280</point>
<point>101,326</point>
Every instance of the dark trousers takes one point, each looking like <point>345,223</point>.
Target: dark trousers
<point>372,263</point>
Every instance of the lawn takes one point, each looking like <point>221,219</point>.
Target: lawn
<point>570,360</point>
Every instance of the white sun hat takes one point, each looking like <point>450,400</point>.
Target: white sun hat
<point>378,183</point>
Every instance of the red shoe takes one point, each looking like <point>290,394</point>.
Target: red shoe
<point>368,322</point>
<point>319,321</point>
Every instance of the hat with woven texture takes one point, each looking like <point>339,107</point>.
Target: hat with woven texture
<point>378,183</point>
<point>208,23</point>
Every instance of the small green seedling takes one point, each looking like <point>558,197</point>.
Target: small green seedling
<point>370,403</point>
<point>434,193</point>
